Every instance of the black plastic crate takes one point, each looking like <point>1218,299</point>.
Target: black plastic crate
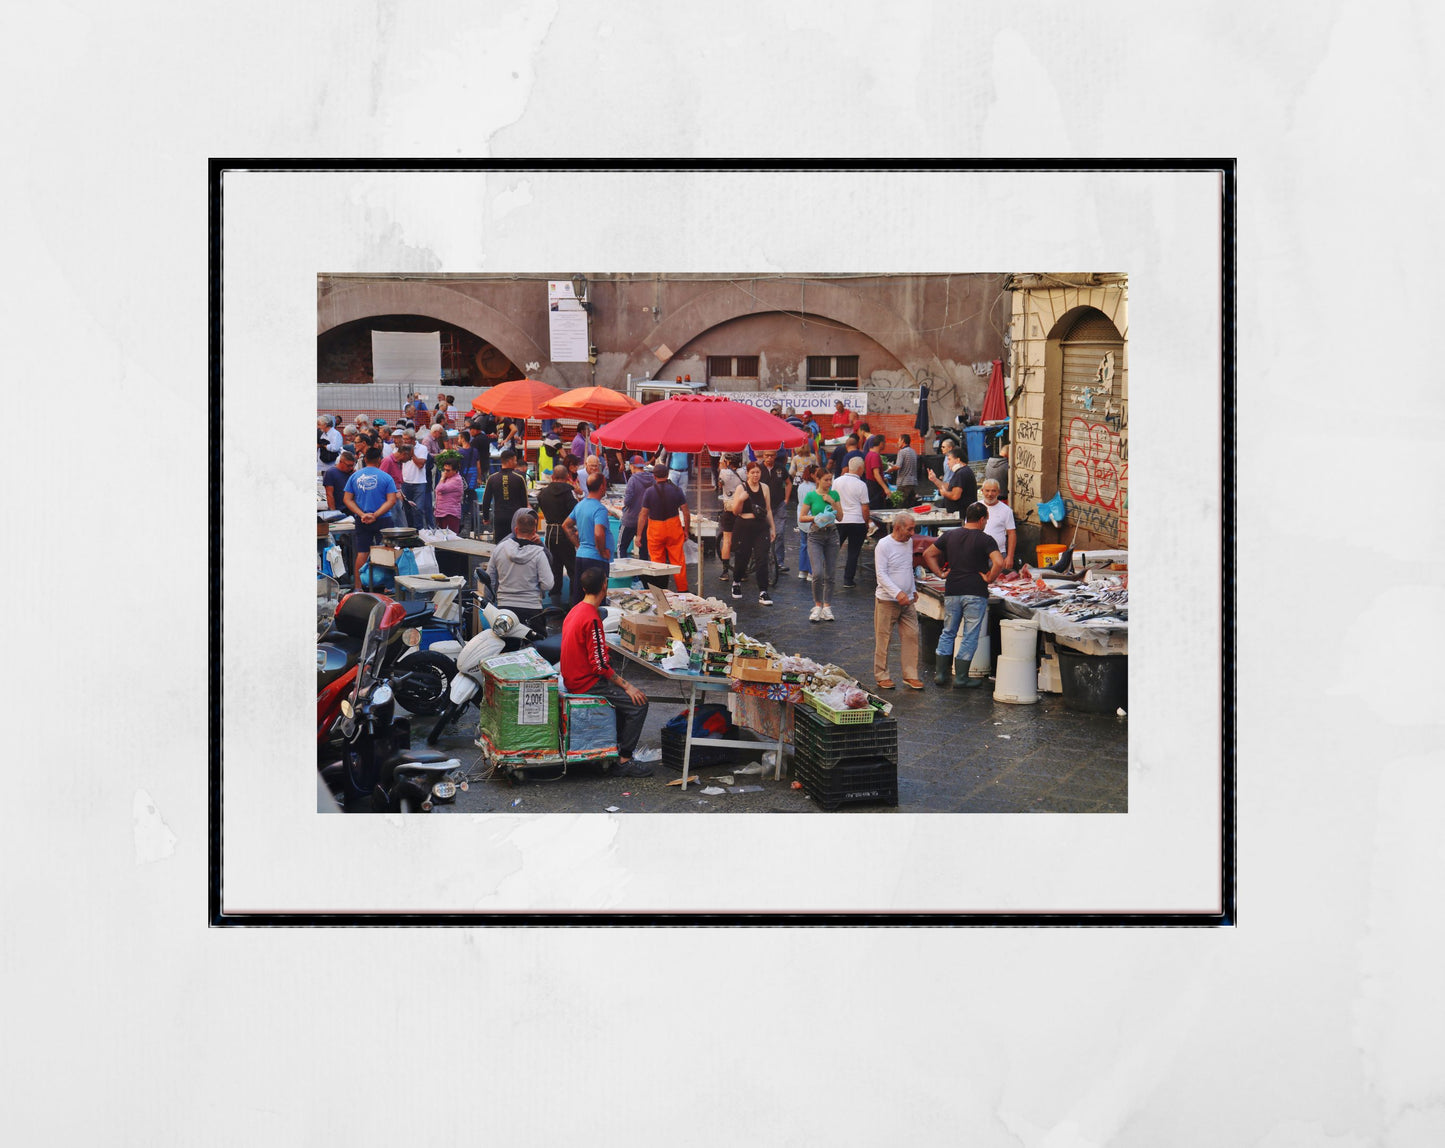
<point>705,756</point>
<point>851,781</point>
<point>825,744</point>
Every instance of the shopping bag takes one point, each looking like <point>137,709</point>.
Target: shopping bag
<point>426,560</point>
<point>336,561</point>
<point>406,562</point>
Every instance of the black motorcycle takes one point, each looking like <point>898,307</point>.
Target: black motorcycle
<point>377,772</point>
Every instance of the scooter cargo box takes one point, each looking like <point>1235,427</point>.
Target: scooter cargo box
<point>519,703</point>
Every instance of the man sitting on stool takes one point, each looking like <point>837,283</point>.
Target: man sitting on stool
<point>587,669</point>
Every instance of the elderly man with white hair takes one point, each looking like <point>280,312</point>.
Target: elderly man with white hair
<point>1001,526</point>
<point>894,604</point>
<point>853,517</point>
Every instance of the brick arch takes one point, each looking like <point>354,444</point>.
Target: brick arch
<point>1072,317</point>
<point>825,301</point>
<point>435,301</point>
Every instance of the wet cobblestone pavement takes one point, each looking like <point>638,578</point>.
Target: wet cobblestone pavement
<point>959,750</point>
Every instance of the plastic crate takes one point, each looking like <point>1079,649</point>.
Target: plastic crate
<point>838,717</point>
<point>703,755</point>
<point>852,781</point>
<point>825,744</point>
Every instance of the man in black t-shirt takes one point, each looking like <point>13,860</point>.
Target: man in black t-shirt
<point>973,564</point>
<point>960,489</point>
<point>555,501</point>
<point>505,494</point>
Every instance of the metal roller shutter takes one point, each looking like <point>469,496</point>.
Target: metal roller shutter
<point>1090,472</point>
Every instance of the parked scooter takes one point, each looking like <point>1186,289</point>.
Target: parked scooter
<point>376,771</point>
<point>503,633</point>
<point>419,678</point>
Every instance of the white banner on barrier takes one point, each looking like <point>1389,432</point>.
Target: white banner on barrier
<point>819,402</point>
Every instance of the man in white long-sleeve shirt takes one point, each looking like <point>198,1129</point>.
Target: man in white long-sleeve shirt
<point>893,604</point>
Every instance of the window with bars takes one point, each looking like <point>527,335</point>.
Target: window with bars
<point>732,367</point>
<point>832,372</point>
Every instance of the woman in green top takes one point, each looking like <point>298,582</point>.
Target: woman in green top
<point>822,543</point>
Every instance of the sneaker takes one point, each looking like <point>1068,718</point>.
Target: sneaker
<point>816,614</point>
<point>631,769</point>
<point>737,589</point>
<point>850,585</point>
<point>763,599</point>
<point>827,614</point>
<point>802,574</point>
<point>726,574</point>
<point>782,569</point>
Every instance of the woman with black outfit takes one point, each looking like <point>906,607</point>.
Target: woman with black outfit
<point>753,530</point>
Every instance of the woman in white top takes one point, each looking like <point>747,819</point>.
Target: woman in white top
<point>728,481</point>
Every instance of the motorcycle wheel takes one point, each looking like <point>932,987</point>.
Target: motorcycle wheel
<point>449,715</point>
<point>425,691</point>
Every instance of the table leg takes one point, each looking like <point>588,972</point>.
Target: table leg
<point>687,739</point>
<point>782,728</point>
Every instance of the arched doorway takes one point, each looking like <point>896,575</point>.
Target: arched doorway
<point>1092,470</point>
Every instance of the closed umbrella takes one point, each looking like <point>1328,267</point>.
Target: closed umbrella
<point>994,407</point>
<point>694,423</point>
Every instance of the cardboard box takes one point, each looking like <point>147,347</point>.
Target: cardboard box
<point>755,670</point>
<point>641,631</point>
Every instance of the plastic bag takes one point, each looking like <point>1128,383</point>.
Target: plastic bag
<point>689,553</point>
<point>426,560</point>
<point>1053,510</point>
<point>406,562</point>
<point>677,660</point>
<point>336,561</point>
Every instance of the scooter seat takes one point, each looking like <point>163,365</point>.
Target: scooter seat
<point>418,610</point>
<point>550,648</point>
<point>438,762</point>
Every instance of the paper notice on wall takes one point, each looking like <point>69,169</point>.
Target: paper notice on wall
<point>566,322</point>
<point>410,358</point>
<point>532,703</point>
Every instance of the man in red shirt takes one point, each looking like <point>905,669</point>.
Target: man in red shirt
<point>587,669</point>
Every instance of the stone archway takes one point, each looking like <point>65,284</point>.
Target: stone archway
<point>363,300</point>
<point>826,301</point>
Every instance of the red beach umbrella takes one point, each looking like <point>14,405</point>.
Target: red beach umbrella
<point>699,422</point>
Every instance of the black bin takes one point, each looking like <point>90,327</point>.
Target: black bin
<point>1094,683</point>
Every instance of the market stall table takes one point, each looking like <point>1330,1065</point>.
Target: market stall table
<point>471,548</point>
<point>698,683</point>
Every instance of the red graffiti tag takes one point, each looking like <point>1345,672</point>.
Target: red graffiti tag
<point>1091,464</point>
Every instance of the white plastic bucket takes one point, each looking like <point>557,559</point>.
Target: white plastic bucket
<point>1015,681</point>
<point>1019,639</point>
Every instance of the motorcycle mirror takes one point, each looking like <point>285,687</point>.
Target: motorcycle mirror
<point>411,637</point>
<point>346,708</point>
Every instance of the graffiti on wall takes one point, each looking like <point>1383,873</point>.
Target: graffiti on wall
<point>1029,431</point>
<point>1094,474</point>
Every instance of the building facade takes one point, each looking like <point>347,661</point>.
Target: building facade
<point>1068,342</point>
<point>886,334</point>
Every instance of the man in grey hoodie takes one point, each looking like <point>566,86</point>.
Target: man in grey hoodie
<point>521,572</point>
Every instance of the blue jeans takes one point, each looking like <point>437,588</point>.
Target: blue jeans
<point>419,494</point>
<point>972,612</point>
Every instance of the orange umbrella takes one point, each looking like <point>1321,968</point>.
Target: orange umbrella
<point>589,404</point>
<point>521,398</point>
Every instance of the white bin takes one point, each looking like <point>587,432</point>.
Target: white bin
<point>982,662</point>
<point>1019,639</point>
<point>1016,681</point>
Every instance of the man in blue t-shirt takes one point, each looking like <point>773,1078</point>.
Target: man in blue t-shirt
<point>586,529</point>
<point>677,469</point>
<point>370,494</point>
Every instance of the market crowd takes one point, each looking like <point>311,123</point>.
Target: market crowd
<point>435,468</point>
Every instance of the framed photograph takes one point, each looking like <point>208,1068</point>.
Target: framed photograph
<point>1069,321</point>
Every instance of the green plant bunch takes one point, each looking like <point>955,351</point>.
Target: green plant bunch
<point>450,456</point>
